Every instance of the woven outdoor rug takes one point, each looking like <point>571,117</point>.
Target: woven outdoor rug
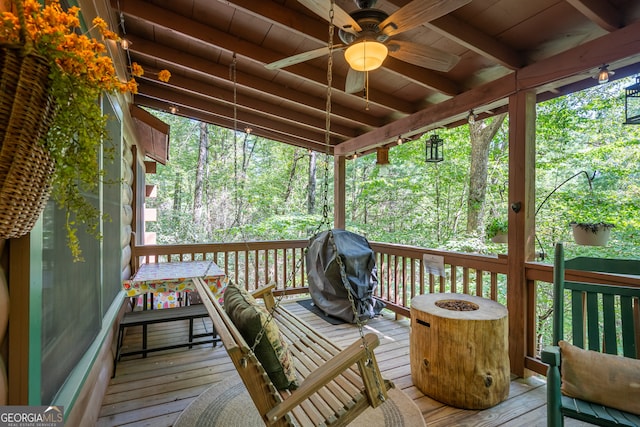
<point>228,404</point>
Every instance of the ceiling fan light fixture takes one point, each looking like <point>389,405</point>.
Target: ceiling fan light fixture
<point>366,55</point>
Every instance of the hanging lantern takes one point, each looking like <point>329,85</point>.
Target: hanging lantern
<point>632,103</point>
<point>433,151</point>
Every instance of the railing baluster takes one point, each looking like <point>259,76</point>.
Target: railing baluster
<point>454,278</point>
<point>465,280</point>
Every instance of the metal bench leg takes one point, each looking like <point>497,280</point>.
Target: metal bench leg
<point>118,349</point>
<point>190,332</point>
<point>144,340</point>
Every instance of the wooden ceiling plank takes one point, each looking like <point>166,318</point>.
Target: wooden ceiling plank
<point>182,60</point>
<point>600,12</point>
<point>422,76</point>
<point>284,17</point>
<point>462,33</point>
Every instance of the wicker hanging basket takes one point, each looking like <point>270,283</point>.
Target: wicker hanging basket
<point>26,114</point>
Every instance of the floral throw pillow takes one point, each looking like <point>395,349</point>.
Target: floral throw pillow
<point>272,350</point>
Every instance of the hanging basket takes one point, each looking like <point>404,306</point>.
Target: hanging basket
<point>591,234</point>
<point>26,114</point>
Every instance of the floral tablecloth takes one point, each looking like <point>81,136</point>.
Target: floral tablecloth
<point>167,280</point>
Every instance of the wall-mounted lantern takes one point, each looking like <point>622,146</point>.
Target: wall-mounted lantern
<point>433,150</point>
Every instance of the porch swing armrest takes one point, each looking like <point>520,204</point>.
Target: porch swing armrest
<point>324,374</point>
<point>266,293</point>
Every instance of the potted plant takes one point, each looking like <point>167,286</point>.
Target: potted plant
<point>591,233</point>
<point>497,230</point>
<point>43,52</point>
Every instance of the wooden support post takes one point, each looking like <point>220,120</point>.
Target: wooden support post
<point>522,124</point>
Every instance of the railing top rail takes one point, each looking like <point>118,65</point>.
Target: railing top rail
<point>544,272</point>
<point>494,263</point>
<point>147,250</point>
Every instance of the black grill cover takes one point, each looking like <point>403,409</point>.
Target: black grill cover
<point>325,283</point>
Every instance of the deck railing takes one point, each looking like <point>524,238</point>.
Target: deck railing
<point>403,272</point>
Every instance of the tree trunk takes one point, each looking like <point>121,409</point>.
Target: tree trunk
<point>481,134</point>
<point>292,174</point>
<point>198,202</point>
<point>177,194</point>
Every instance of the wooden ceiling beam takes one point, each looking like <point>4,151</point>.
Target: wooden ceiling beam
<point>617,45</point>
<point>203,34</point>
<point>600,12</point>
<point>244,102</point>
<point>433,116</point>
<point>179,60</point>
<point>465,35</point>
<point>258,123</point>
<point>623,43</point>
<point>227,123</point>
<point>316,30</point>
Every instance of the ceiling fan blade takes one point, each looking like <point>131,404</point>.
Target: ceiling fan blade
<point>355,81</point>
<point>417,13</point>
<point>422,55</point>
<point>301,57</point>
<point>341,19</point>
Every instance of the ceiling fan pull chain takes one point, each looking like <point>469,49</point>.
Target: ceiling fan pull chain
<point>366,90</point>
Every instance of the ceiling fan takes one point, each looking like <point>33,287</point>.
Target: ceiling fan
<point>369,35</point>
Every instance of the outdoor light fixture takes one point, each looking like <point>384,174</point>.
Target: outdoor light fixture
<point>125,44</point>
<point>173,109</point>
<point>366,55</point>
<point>433,149</point>
<point>248,130</point>
<point>632,103</point>
<point>382,156</point>
<point>604,74</point>
<point>399,140</point>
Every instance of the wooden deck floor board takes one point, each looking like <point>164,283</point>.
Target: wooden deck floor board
<point>155,390</point>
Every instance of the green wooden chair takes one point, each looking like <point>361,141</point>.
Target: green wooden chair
<point>602,320</point>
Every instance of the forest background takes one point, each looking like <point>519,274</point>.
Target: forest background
<point>224,186</point>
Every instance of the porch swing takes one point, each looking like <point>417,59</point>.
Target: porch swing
<point>331,391</point>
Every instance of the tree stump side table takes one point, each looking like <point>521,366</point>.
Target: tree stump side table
<point>459,349</point>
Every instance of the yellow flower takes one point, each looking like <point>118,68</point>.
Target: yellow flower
<point>100,23</point>
<point>164,75</point>
<point>136,69</point>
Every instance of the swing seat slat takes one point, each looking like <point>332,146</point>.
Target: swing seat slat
<point>336,385</point>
